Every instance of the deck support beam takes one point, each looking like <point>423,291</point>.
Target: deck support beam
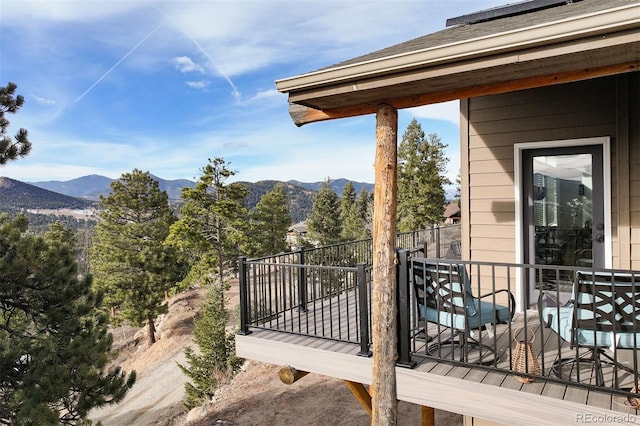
<point>384,318</point>
<point>289,375</point>
<point>361,393</point>
<point>428,416</point>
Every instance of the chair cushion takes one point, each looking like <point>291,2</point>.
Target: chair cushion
<point>560,319</point>
<point>484,313</point>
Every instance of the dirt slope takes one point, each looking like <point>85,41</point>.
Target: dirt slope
<point>255,397</point>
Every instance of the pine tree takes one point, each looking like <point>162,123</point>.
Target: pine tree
<point>324,222</point>
<point>210,233</point>
<point>364,207</point>
<point>271,220</point>
<point>20,145</point>
<point>54,345</point>
<point>421,179</point>
<point>352,223</point>
<point>215,362</point>
<point>129,260</point>
<point>212,225</point>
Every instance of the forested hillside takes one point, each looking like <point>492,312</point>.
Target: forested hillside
<point>83,192</point>
<point>336,184</point>
<point>16,195</point>
<point>300,199</point>
<point>19,197</point>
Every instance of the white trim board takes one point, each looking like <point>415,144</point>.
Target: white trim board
<point>605,141</point>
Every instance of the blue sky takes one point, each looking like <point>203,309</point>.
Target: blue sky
<point>162,86</point>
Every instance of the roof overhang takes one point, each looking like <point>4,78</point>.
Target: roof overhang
<point>585,46</point>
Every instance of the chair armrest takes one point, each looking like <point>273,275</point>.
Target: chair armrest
<point>512,300</point>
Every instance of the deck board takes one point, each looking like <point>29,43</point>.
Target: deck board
<point>291,327</point>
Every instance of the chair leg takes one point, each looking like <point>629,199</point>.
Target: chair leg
<point>464,345</point>
<point>594,359</point>
<point>598,368</point>
<point>573,363</point>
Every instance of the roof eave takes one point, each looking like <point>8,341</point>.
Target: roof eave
<point>588,25</point>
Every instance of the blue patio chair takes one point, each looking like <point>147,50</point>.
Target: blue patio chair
<point>602,316</point>
<point>444,296</point>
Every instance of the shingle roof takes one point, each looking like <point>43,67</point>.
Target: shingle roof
<point>569,42</point>
<point>467,32</point>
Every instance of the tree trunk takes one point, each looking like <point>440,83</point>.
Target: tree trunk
<point>151,331</point>
<point>384,322</point>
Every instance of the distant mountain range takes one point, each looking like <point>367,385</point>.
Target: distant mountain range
<point>84,192</point>
<point>92,186</point>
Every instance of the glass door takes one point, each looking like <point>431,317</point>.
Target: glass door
<point>564,210</point>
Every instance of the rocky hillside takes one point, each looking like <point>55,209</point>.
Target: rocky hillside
<point>255,397</point>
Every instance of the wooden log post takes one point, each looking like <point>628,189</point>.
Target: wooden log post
<point>361,393</point>
<point>428,416</point>
<point>289,375</point>
<point>384,318</point>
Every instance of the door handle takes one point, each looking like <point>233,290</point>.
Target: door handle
<point>599,238</point>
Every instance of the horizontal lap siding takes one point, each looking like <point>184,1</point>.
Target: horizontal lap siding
<point>578,110</point>
<point>634,170</point>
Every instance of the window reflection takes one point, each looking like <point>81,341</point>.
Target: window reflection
<point>562,197</point>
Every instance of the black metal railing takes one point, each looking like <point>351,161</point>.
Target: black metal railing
<point>437,241</point>
<point>511,318</point>
<point>463,313</point>
<point>329,302</point>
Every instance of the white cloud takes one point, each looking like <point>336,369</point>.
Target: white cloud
<point>448,111</point>
<point>247,43</point>
<point>184,64</point>
<point>316,164</point>
<point>43,101</point>
<point>66,11</point>
<point>37,172</point>
<point>265,94</point>
<point>202,84</point>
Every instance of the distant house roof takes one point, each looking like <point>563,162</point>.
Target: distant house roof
<point>452,210</point>
<point>300,228</point>
<point>569,42</point>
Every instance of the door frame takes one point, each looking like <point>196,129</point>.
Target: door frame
<point>518,148</point>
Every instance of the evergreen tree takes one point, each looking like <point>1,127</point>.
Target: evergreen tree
<point>19,146</point>
<point>324,223</point>
<point>421,179</point>
<point>129,260</point>
<point>352,223</point>
<point>271,221</point>
<point>209,233</point>
<point>54,345</point>
<point>212,224</point>
<point>215,362</point>
<point>364,208</point>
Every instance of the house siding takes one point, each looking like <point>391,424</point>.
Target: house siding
<point>633,90</point>
<point>591,108</point>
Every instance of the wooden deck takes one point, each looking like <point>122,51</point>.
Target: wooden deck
<point>488,394</point>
